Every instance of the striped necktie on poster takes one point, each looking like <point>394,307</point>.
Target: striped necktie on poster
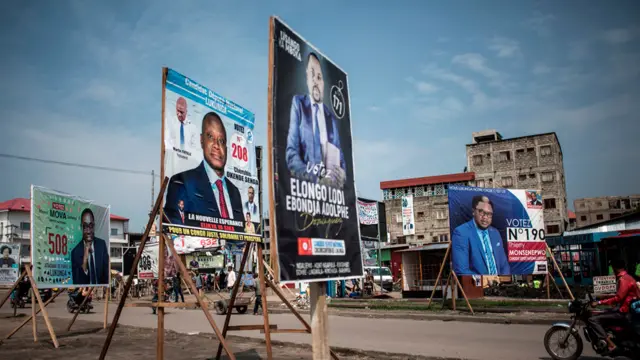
<point>491,262</point>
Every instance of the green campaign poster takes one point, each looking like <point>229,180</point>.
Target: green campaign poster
<point>69,240</point>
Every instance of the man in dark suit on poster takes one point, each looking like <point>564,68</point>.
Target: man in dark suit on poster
<point>205,190</point>
<point>90,258</point>
<point>313,137</point>
<point>476,246</point>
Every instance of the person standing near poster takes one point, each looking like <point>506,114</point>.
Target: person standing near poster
<point>477,246</point>
<point>90,258</point>
<point>314,139</point>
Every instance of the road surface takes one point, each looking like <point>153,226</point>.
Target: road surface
<point>429,338</point>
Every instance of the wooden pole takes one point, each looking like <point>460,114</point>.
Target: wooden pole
<point>273,243</point>
<point>34,287</point>
<point>293,310</point>
<point>553,258</point>
<point>455,277</point>
<point>203,305</point>
<point>161,249</point>
<point>435,286</point>
<point>444,291</point>
<point>134,266</point>
<point>106,306</point>
<point>547,279</point>
<point>33,316</point>
<point>263,296</point>
<point>15,285</point>
<point>232,299</point>
<point>319,321</point>
<point>84,301</point>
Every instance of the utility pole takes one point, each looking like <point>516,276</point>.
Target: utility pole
<point>153,182</point>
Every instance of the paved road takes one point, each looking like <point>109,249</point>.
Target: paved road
<point>430,338</point>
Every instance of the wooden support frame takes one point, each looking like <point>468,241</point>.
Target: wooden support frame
<point>77,312</point>
<point>559,272</point>
<point>35,298</point>
<point>17,328</point>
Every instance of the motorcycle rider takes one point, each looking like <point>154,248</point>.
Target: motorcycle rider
<point>627,292</point>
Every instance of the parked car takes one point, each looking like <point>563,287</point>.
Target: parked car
<point>387,278</point>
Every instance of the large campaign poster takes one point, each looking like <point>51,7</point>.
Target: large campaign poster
<point>150,263</point>
<point>408,221</point>
<point>318,236</point>
<point>497,231</point>
<point>209,155</point>
<point>9,263</point>
<point>69,240</point>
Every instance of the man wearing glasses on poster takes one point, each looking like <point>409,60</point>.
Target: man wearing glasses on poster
<point>477,247</point>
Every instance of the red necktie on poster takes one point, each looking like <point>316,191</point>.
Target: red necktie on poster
<point>223,204</point>
<point>182,216</point>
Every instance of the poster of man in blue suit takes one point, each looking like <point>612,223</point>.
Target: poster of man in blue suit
<point>495,232</point>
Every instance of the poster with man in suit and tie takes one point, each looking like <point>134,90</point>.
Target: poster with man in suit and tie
<point>213,178</point>
<point>69,240</point>
<point>496,232</point>
<point>318,236</point>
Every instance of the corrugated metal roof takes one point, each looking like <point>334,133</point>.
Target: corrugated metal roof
<point>428,180</point>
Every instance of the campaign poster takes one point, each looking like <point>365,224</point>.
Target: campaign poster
<point>69,240</point>
<point>318,237</point>
<point>203,261</point>
<point>9,263</point>
<point>604,284</point>
<point>496,231</point>
<point>149,263</point>
<point>408,223</point>
<point>209,156</point>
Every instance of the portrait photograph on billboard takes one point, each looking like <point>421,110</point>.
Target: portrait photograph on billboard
<point>496,231</point>
<point>9,263</point>
<point>69,240</point>
<point>209,156</point>
<point>317,222</point>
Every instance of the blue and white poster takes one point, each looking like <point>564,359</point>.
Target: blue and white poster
<point>496,231</point>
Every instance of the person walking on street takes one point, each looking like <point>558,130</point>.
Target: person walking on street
<point>177,287</point>
<point>231,279</point>
<point>258,304</point>
<point>198,280</point>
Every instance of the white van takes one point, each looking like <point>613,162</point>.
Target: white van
<point>387,278</point>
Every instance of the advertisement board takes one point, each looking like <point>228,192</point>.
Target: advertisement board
<point>203,261</point>
<point>604,284</point>
<point>408,223</point>
<point>9,263</point>
<point>69,240</point>
<point>148,264</point>
<point>496,231</point>
<point>318,236</point>
<point>209,155</point>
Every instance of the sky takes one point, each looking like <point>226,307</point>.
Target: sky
<point>81,83</point>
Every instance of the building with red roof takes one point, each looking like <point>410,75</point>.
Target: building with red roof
<point>15,227</point>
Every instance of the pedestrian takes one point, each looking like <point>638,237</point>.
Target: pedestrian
<point>223,279</point>
<point>258,295</point>
<point>177,286</point>
<point>216,282</point>
<point>231,279</point>
<point>198,281</point>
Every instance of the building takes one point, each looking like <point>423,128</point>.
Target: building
<point>15,227</point>
<point>594,210</point>
<point>527,162</point>
<point>430,207</point>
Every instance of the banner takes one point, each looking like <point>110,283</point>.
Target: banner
<point>605,284</point>
<point>148,264</point>
<point>368,212</point>
<point>69,240</point>
<point>496,231</point>
<point>209,154</point>
<point>408,224</point>
<point>9,263</point>
<point>370,253</point>
<point>318,236</point>
<point>203,261</point>
<point>188,244</point>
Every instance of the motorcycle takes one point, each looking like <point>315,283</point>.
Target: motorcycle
<point>563,341</point>
<point>21,295</point>
<point>75,300</point>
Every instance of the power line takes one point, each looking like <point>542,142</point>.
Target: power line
<point>85,166</point>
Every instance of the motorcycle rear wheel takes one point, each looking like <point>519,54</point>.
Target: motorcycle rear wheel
<point>574,344</point>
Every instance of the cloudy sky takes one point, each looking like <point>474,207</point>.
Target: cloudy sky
<point>81,82</point>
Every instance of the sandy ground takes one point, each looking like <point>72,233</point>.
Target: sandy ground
<point>86,338</point>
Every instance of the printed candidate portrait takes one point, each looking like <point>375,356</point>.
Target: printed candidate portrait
<point>90,257</point>
<point>477,246</point>
<point>205,189</point>
<point>314,150</point>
